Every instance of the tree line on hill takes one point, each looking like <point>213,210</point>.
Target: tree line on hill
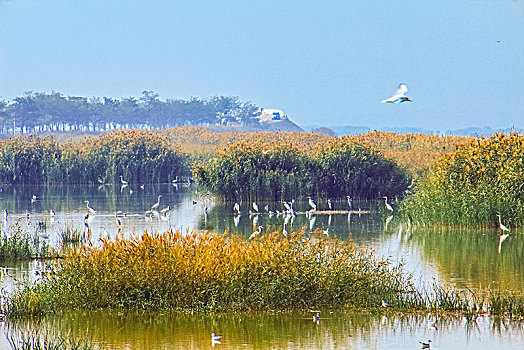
<point>41,112</point>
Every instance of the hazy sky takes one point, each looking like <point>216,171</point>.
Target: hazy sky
<point>322,62</point>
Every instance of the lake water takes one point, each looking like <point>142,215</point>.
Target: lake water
<point>460,258</point>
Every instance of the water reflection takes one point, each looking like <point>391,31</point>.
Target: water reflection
<point>469,258</point>
<point>463,258</point>
<point>337,330</point>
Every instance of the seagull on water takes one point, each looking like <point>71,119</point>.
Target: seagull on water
<point>398,97</point>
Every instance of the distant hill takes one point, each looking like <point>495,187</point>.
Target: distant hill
<point>472,131</point>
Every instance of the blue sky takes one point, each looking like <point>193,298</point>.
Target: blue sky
<point>322,62</point>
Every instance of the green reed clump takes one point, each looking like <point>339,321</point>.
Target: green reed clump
<point>18,242</point>
<point>471,186</point>
<point>217,272</point>
<point>279,170</point>
<point>138,155</point>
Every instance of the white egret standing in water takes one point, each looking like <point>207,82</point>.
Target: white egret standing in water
<point>255,206</point>
<point>124,182</point>
<point>330,206</point>
<point>155,206</point>
<point>388,206</point>
<point>350,202</point>
<point>256,233</point>
<point>312,203</point>
<point>89,209</point>
<point>501,225</point>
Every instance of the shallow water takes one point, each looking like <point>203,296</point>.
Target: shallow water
<point>462,258</point>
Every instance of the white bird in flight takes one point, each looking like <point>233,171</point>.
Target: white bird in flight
<point>399,95</point>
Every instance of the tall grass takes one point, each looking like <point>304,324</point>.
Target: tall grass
<point>140,156</point>
<point>19,242</point>
<point>217,272</point>
<point>37,340</point>
<point>479,180</point>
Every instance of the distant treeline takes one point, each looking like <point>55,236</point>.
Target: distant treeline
<point>140,156</point>
<point>41,112</point>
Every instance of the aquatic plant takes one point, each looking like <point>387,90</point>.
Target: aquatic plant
<point>279,170</point>
<point>141,156</point>
<point>217,272</point>
<point>44,340</point>
<point>19,242</point>
<point>478,181</point>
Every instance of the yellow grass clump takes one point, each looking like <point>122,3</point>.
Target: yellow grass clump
<point>218,272</point>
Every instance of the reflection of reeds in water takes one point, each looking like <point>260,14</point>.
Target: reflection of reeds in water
<point>44,340</point>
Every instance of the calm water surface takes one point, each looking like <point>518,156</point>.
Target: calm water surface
<point>459,258</point>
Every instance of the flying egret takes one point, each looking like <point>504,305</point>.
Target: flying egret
<point>425,345</point>
<point>388,206</point>
<point>326,231</point>
<point>124,182</point>
<point>89,209</point>
<point>312,203</point>
<point>398,97</point>
<point>175,181</point>
<point>501,225</point>
<point>155,206</point>
<point>33,199</point>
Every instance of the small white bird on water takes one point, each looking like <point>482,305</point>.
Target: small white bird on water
<point>124,182</point>
<point>384,303</point>
<point>398,97</point>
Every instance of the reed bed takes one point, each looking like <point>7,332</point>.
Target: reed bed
<point>17,242</point>
<point>213,272</point>
<point>278,170</point>
<point>138,155</point>
<point>478,181</point>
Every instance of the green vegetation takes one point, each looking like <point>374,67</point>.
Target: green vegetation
<point>278,170</point>
<point>217,272</point>
<point>140,156</point>
<point>19,243</point>
<point>479,180</point>
<point>43,112</point>
<point>37,340</point>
